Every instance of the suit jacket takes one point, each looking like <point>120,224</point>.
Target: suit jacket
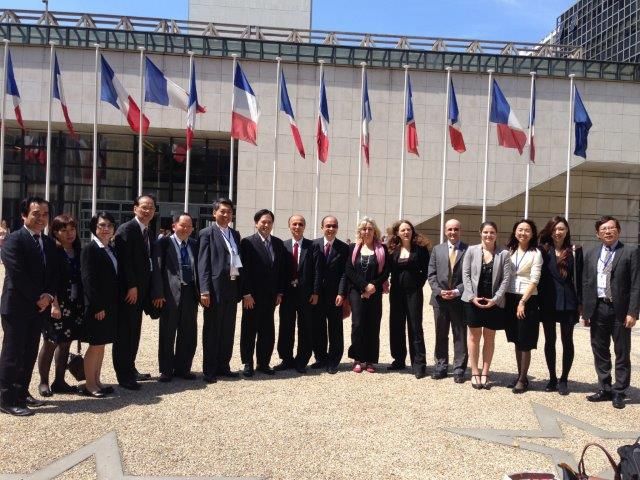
<point>214,264</point>
<point>625,281</point>
<point>500,278</point>
<point>309,277</point>
<point>166,279</point>
<point>262,278</point>
<point>99,280</point>
<point>438,275</point>
<point>333,281</point>
<point>417,267</point>
<point>26,276</point>
<point>133,263</point>
<point>357,280</point>
<point>559,293</point>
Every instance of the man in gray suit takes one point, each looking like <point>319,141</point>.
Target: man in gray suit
<point>610,302</point>
<point>175,291</point>
<point>219,269</point>
<point>445,279</point>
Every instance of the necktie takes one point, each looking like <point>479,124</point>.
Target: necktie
<point>327,250</point>
<point>452,262</point>
<point>36,237</point>
<point>185,264</point>
<point>145,236</point>
<point>607,271</point>
<point>294,264</point>
<point>267,246</point>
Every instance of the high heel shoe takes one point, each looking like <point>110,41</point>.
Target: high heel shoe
<point>485,384</point>
<point>521,386</point>
<point>475,382</point>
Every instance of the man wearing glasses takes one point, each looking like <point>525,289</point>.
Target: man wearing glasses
<point>610,301</point>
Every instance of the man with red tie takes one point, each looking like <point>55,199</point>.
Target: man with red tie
<point>303,287</point>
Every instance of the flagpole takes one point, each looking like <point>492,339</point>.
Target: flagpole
<point>47,176</point>
<point>317,192</point>
<point>94,172</point>
<point>404,140</point>
<point>2,120</point>
<point>275,136</point>
<point>187,172</point>
<point>141,127</point>
<point>486,151</point>
<point>232,146</point>
<point>571,103</point>
<point>444,154</point>
<point>526,190</point>
<point>364,66</point>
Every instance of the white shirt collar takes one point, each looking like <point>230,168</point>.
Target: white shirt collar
<point>453,245</point>
<point>264,239</point>
<point>327,241</point>
<point>140,224</point>
<point>177,239</point>
<point>31,232</point>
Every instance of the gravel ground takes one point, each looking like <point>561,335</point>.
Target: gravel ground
<point>317,426</point>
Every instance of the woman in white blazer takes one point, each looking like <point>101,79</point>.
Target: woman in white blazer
<point>486,273</point>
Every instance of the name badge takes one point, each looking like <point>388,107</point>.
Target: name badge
<point>602,280</point>
<point>150,265</point>
<point>235,260</point>
<point>518,284</point>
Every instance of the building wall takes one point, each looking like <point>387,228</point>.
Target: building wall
<point>272,13</point>
<point>614,139</point>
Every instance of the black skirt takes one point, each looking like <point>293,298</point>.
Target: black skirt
<point>524,332</point>
<point>475,317</point>
<point>100,332</point>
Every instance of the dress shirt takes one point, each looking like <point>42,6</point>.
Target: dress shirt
<point>176,244</point>
<point>601,265</point>
<point>455,246</point>
<point>112,256</point>
<point>293,244</point>
<point>233,250</point>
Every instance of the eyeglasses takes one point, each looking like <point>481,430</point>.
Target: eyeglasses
<point>105,226</point>
<point>608,229</point>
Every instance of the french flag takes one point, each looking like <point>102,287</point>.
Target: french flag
<point>510,133</point>
<point>159,89</point>
<point>322,136</point>
<point>532,126</point>
<point>114,93</point>
<point>245,111</point>
<point>12,90</point>
<point>412,132</point>
<point>58,92</point>
<point>366,118</point>
<point>285,106</point>
<point>193,106</point>
<point>455,133</point>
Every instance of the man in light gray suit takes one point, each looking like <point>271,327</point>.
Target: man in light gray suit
<point>445,279</point>
<point>175,291</point>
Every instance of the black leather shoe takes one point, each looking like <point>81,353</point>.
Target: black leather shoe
<point>16,411</point>
<point>247,371</point>
<point>267,370</point>
<point>229,374</point>
<point>332,369</point>
<point>521,387</point>
<point>140,377</point>
<point>396,366</point>
<point>618,400</point>
<point>34,403</point>
<point>107,390</point>
<point>563,387</point>
<point>301,369</point>
<point>420,373</point>
<point>317,365</point>
<point>187,376</point>
<point>63,387</point>
<point>600,396</point>
<point>209,379</point>
<point>164,378</point>
<point>87,393</point>
<point>458,378</point>
<point>130,385</point>
<point>44,390</point>
<point>439,375</point>
<point>283,366</point>
<point>551,386</point>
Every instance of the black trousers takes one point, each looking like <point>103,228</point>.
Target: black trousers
<point>178,334</point>
<point>218,332</point>
<point>20,343</point>
<point>127,341</point>
<point>295,306</point>
<point>406,308</point>
<point>365,327</point>
<point>448,314</point>
<point>257,332</point>
<point>604,328</point>
<point>327,319</point>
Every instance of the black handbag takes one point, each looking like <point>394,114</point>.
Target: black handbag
<point>630,461</point>
<point>76,364</point>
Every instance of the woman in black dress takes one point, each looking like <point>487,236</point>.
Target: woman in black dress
<point>561,297</point>
<point>100,281</point>
<point>67,310</point>
<point>367,271</point>
<point>408,262</point>
<point>486,272</point>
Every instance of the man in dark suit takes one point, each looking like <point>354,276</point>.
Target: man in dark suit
<point>219,270</point>
<point>134,243</point>
<point>29,287</point>
<point>445,279</point>
<point>610,302</point>
<point>303,288</point>
<point>327,314</point>
<point>263,284</point>
<point>175,294</point>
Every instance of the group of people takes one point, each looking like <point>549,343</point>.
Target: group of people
<point>98,294</point>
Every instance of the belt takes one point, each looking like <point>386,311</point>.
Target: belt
<point>605,300</point>
<point>233,278</point>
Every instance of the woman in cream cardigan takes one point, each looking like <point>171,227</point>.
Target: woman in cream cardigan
<point>486,272</point>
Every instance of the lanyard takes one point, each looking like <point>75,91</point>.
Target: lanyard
<point>608,257</point>
<point>519,262</point>
<point>228,240</point>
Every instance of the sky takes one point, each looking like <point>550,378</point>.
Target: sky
<point>515,20</point>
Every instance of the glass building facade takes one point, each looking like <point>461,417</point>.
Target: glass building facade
<point>71,174</point>
<point>606,30</point>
